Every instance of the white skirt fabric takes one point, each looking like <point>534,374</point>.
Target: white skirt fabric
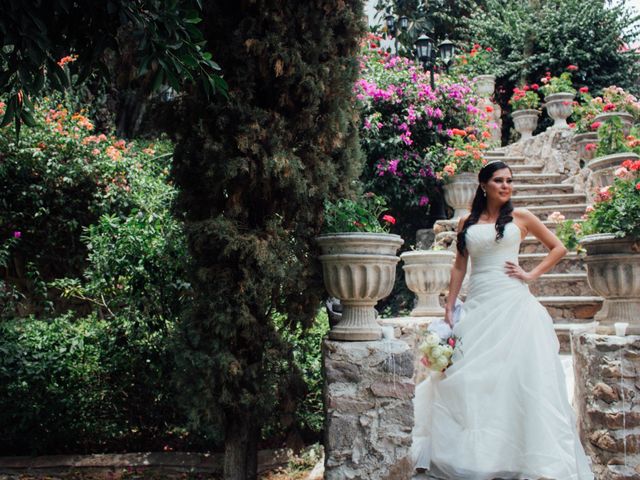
<point>501,410</point>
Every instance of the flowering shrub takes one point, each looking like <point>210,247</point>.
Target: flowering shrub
<point>77,198</point>
<point>404,130</point>
<point>464,154</point>
<point>560,84</point>
<point>525,98</point>
<point>362,215</point>
<point>617,99</point>
<point>478,60</point>
<point>616,209</point>
<point>585,109</point>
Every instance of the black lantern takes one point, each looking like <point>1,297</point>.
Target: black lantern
<point>404,22</point>
<point>425,54</point>
<point>391,24</point>
<point>447,51</point>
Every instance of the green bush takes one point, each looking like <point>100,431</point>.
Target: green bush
<point>86,385</point>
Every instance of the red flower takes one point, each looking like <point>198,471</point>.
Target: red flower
<point>389,219</point>
<point>638,186</point>
<point>584,89</point>
<point>595,125</point>
<point>572,68</point>
<point>589,147</point>
<point>489,108</point>
<point>476,46</point>
<point>526,88</point>
<point>572,125</point>
<point>535,86</point>
<point>627,164</point>
<point>452,341</point>
<point>609,106</point>
<point>635,166</point>
<point>489,49</point>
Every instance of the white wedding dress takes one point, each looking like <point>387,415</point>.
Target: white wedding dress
<point>501,410</point>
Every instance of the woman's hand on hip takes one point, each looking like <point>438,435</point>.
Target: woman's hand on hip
<point>516,271</point>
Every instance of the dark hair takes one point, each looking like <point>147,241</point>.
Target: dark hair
<point>480,204</point>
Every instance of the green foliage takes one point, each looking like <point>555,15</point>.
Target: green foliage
<point>560,84</point>
<point>611,138</point>
<point>253,174</point>
<point>478,60</point>
<point>361,215</point>
<point>569,233</point>
<point>531,38</point>
<point>38,48</point>
<point>85,385</point>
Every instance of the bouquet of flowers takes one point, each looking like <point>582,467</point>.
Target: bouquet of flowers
<point>439,345</point>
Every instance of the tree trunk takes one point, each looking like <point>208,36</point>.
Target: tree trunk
<point>241,449</point>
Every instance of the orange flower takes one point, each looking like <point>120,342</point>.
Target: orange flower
<point>459,153</point>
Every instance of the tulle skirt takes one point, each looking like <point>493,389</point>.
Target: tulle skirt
<point>501,410</point>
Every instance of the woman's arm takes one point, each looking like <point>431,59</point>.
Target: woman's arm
<point>458,272</point>
<point>557,250</point>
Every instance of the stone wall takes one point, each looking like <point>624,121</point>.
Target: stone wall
<point>368,392</point>
<point>607,375</point>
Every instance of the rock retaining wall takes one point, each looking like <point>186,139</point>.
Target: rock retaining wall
<point>368,392</point>
<point>607,384</point>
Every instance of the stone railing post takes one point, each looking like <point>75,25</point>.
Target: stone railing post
<point>368,392</point>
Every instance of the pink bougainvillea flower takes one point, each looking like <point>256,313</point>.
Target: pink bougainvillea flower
<point>17,234</point>
<point>389,219</point>
<point>424,200</point>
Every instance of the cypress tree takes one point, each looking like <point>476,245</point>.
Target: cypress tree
<point>254,170</point>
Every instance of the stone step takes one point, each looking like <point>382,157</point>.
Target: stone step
<point>543,189</point>
<point>495,153</point>
<point>562,284</point>
<point>531,244</point>
<point>511,161</point>
<point>535,178</point>
<point>571,309</point>
<point>527,168</point>
<point>548,199</point>
<point>570,263</point>
<point>572,211</point>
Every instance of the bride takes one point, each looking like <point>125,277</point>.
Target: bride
<point>501,410</point>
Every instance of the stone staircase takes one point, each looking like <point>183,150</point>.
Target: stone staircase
<point>564,290</point>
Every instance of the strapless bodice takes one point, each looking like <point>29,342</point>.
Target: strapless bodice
<point>486,253</point>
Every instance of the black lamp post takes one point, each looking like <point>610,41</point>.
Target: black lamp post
<point>425,54</point>
<point>392,27</point>
<point>447,51</point>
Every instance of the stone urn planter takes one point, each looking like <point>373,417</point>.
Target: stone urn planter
<point>359,269</point>
<point>559,107</point>
<point>581,141</point>
<point>602,168</point>
<point>625,118</point>
<point>427,274</point>
<point>485,85</point>
<point>525,122</point>
<point>613,272</point>
<point>459,193</point>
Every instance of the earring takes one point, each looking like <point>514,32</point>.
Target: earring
<point>484,192</point>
